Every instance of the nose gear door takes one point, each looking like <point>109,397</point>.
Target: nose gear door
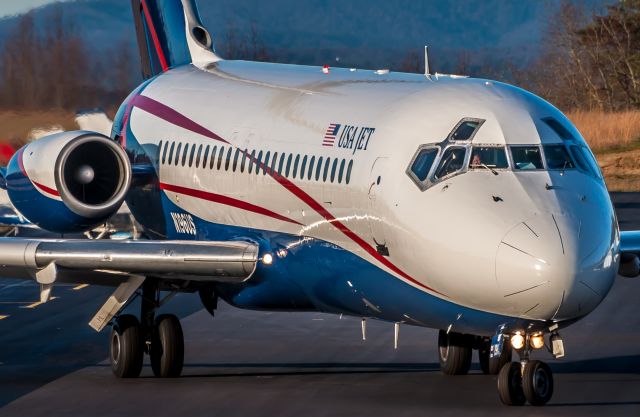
<point>376,218</point>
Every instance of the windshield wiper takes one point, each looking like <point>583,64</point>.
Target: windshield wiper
<point>493,171</point>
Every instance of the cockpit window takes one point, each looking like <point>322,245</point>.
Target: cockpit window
<point>592,161</point>
<point>466,129</point>
<point>557,157</point>
<point>557,127</point>
<point>423,162</point>
<point>581,161</point>
<point>526,158</point>
<point>483,157</point>
<point>452,161</point>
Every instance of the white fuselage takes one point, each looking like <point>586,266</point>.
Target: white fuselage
<point>539,244</point>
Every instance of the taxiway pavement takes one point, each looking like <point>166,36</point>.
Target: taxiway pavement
<point>246,363</point>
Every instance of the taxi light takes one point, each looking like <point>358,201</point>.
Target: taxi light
<point>517,341</point>
<point>267,259</point>
<point>537,341</point>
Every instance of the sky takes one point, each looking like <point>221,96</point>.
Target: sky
<point>11,7</point>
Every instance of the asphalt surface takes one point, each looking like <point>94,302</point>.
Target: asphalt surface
<point>246,363</point>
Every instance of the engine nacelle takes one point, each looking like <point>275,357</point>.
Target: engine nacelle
<point>70,181</point>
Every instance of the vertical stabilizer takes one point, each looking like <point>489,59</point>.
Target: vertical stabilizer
<point>170,33</point>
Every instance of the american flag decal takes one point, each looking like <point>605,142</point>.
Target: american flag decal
<point>330,134</point>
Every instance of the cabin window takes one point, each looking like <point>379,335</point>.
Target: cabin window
<point>526,158</point>
<point>333,170</point>
<point>557,157</point>
<point>311,164</point>
<point>466,129</point>
<point>236,155</point>
<point>227,161</point>
<point>295,166</point>
<point>273,163</point>
<point>348,179</point>
<point>319,169</point>
<point>185,153</point>
<point>243,163</point>
<point>341,172</point>
<point>286,174</point>
<point>258,162</point>
<point>170,158</point>
<point>452,161</point>
<point>483,157</point>
<point>198,156</point>
<point>303,166</point>
<point>160,151</point>
<point>252,161</point>
<point>281,164</point>
<point>213,157</point>
<point>220,157</point>
<point>193,155</point>
<point>176,160</point>
<point>265,166</point>
<point>557,127</point>
<point>423,162</point>
<point>325,173</point>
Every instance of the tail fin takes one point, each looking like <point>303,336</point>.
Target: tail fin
<point>170,34</point>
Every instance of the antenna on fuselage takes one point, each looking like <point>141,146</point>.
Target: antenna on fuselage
<point>426,62</point>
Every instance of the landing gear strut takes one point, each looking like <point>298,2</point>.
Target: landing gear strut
<point>161,337</point>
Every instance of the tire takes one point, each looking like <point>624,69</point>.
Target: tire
<point>510,385</point>
<point>167,347</point>
<point>492,366</point>
<point>454,351</point>
<point>537,382</point>
<point>126,347</point>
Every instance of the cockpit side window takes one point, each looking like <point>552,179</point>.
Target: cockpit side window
<point>526,158</point>
<point>452,161</point>
<point>592,161</point>
<point>557,157</point>
<point>483,157</point>
<point>466,129</point>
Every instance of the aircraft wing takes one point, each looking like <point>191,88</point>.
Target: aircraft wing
<point>630,242</point>
<point>107,262</point>
<point>629,252</point>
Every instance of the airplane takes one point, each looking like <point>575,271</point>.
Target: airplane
<point>464,205</point>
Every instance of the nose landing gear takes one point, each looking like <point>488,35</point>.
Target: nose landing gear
<point>528,381</point>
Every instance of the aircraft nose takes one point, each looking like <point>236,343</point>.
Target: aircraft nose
<point>555,267</point>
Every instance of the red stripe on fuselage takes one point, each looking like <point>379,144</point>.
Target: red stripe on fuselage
<point>154,36</point>
<point>172,116</point>
<point>228,201</point>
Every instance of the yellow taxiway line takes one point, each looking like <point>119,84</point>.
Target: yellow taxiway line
<point>37,303</point>
<point>79,287</point>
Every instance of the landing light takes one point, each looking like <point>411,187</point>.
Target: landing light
<point>267,259</point>
<point>517,341</point>
<point>537,341</point>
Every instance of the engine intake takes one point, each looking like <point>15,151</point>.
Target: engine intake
<point>69,182</point>
<point>93,175</point>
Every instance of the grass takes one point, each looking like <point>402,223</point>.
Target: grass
<point>615,140</point>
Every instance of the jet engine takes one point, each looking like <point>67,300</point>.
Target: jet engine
<point>70,181</point>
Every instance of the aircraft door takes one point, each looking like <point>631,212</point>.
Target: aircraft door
<point>377,186</point>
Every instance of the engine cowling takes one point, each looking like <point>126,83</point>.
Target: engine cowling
<point>70,181</point>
